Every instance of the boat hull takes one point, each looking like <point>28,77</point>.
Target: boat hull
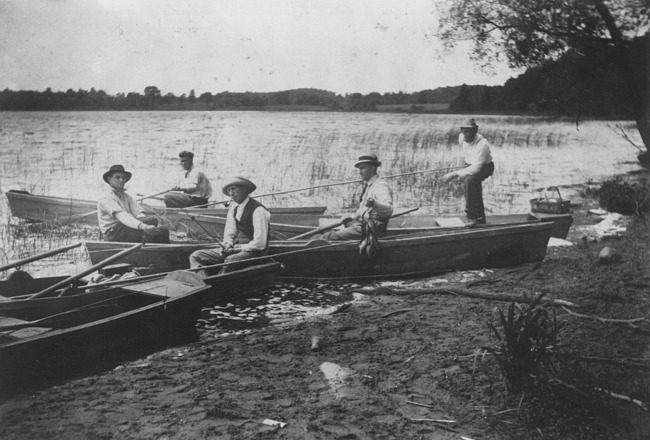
<point>416,254</point>
<point>104,326</point>
<point>190,221</point>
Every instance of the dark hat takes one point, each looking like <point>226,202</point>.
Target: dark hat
<point>114,169</point>
<point>469,123</point>
<point>239,181</point>
<point>186,154</point>
<point>369,158</point>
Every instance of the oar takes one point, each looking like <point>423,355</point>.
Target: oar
<point>97,266</point>
<point>154,195</point>
<point>309,247</point>
<point>339,223</point>
<point>39,256</point>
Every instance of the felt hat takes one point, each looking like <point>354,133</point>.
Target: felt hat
<point>469,123</point>
<point>239,181</point>
<point>186,154</point>
<point>369,158</point>
<point>114,169</point>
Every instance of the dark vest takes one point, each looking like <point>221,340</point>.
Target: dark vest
<point>245,228</point>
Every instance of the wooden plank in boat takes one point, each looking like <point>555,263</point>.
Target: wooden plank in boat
<point>23,332</point>
<point>450,222</point>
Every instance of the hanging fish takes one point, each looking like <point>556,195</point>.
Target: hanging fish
<point>369,245</point>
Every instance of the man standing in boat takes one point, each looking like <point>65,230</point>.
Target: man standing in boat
<point>246,234</point>
<point>479,167</point>
<point>193,187</point>
<point>375,207</point>
<point>121,218</point>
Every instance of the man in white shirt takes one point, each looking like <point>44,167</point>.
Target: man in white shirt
<point>193,187</point>
<point>479,167</point>
<point>246,234</point>
<point>121,218</point>
<point>375,205</point>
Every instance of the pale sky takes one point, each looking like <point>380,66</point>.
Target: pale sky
<point>344,46</point>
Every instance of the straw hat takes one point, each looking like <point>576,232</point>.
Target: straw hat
<point>239,181</point>
<point>369,158</point>
<point>115,169</point>
<point>469,123</point>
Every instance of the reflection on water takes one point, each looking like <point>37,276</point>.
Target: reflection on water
<point>279,304</point>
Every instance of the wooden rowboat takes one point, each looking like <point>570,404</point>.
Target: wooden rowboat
<point>223,288</point>
<point>63,211</point>
<point>100,331</point>
<point>59,335</point>
<point>420,253</point>
<point>410,224</point>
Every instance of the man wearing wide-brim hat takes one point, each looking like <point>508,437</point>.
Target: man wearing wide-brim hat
<point>375,203</point>
<point>478,158</point>
<point>121,218</point>
<point>246,234</point>
<point>192,187</point>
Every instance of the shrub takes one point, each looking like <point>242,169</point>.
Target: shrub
<point>624,197</point>
<point>526,347</point>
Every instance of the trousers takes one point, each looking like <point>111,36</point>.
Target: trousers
<point>123,233</point>
<point>473,188</point>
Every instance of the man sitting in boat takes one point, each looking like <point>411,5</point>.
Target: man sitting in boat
<point>246,233</point>
<point>121,218</point>
<point>375,207</point>
<point>193,187</point>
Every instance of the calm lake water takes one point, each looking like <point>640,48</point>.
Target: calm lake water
<point>65,154</point>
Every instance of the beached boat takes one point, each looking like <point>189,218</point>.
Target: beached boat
<point>419,253</point>
<point>99,331</point>
<point>223,287</point>
<point>409,224</point>
<point>63,211</point>
<point>62,333</point>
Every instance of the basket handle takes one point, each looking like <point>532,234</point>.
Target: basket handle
<point>555,189</point>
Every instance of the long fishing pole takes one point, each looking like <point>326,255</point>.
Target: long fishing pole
<point>335,184</point>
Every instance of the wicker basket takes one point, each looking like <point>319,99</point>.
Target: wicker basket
<point>552,205</point>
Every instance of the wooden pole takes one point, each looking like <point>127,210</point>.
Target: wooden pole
<point>39,256</point>
<point>91,269</point>
<point>332,184</point>
<point>339,223</point>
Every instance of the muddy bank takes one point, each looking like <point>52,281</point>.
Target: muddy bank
<point>388,366</point>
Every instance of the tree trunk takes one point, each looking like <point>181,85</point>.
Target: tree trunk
<point>633,59</point>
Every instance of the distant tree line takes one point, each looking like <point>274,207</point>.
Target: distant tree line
<point>153,99</point>
<point>578,84</point>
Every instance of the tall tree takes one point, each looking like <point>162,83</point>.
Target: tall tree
<point>530,33</point>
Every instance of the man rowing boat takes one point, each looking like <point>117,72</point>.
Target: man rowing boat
<point>121,218</point>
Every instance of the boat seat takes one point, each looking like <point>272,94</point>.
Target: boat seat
<point>175,284</point>
<point>15,335</point>
<point>450,222</point>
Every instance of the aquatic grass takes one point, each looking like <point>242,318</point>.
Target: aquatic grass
<point>284,151</point>
<point>20,239</point>
<point>526,347</point>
